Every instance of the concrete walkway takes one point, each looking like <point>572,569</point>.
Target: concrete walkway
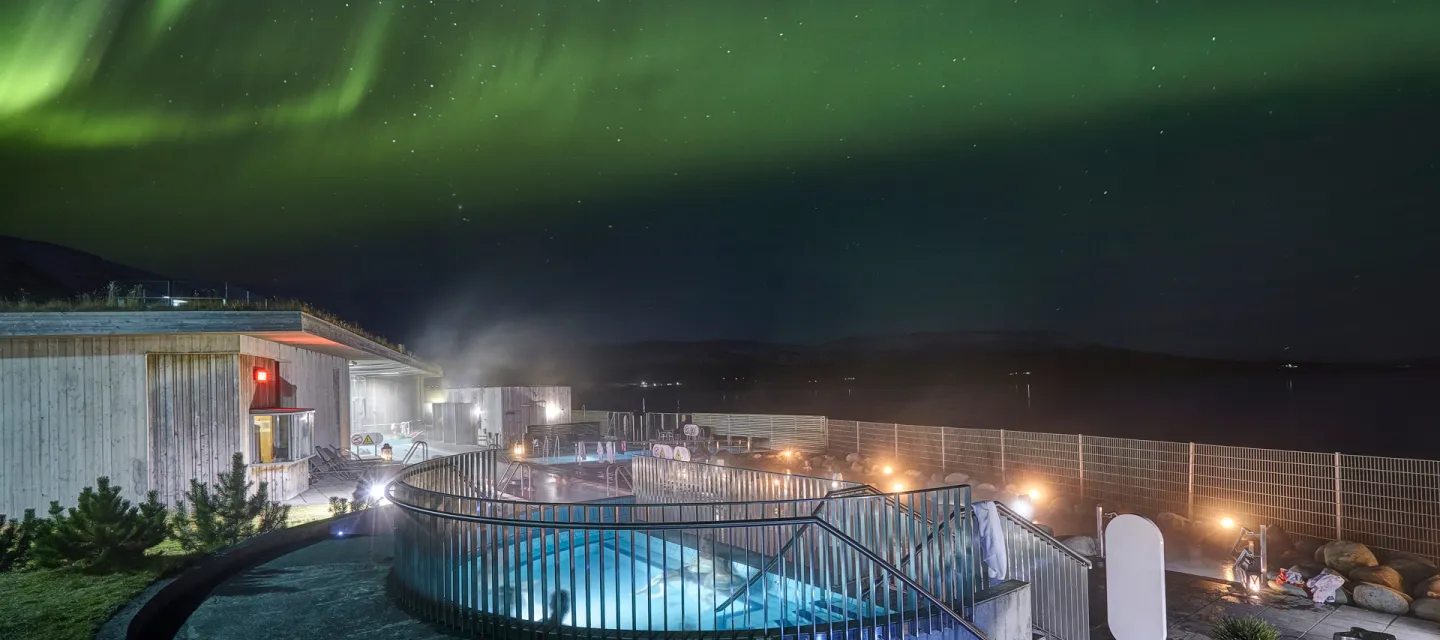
<point>331,589</point>
<point>1194,604</point>
<point>336,589</point>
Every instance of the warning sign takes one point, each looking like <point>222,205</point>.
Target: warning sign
<point>366,439</point>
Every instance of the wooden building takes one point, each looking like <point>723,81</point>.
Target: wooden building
<point>155,398</point>
<point>504,412</point>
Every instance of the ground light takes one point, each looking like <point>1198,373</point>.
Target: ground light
<point>899,486</point>
<point>377,491</point>
<point>887,470</point>
<point>1227,523</point>
<point>1034,494</point>
<point>519,450</point>
<point>1023,507</point>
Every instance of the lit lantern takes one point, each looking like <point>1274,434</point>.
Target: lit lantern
<point>386,453</point>
<point>262,375</point>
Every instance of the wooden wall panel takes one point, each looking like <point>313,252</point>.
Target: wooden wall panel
<point>254,395</point>
<point>286,480</point>
<point>196,420</point>
<point>73,409</point>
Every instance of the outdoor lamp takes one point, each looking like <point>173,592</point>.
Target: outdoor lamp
<point>386,453</point>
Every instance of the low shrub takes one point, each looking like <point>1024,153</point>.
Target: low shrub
<point>1244,629</point>
<point>102,532</point>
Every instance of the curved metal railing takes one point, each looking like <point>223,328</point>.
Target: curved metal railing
<point>504,576</point>
<point>492,567</point>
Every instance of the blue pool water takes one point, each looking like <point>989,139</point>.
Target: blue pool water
<point>633,580</point>
<point>570,459</point>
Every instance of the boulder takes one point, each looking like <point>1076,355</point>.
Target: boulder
<point>1290,558</point>
<point>1381,575</point>
<point>1320,552</point>
<point>985,486</point>
<point>1426,609</point>
<point>1289,589</point>
<point>915,474</point>
<point>1306,547</point>
<point>1344,556</point>
<point>1414,569</point>
<point>1046,528</point>
<point>1383,599</point>
<point>1277,541</point>
<point>1428,588</point>
<point>1083,545</point>
<point>852,458</point>
<point>957,478</point>
<point>1342,597</point>
<point>1306,570</point>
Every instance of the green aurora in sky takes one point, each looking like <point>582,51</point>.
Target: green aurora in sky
<point>265,108</point>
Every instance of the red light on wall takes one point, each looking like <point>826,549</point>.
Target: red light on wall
<point>262,375</point>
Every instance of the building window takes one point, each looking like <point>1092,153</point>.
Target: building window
<point>281,437</point>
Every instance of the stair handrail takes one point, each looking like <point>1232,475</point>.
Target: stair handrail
<point>1036,530</point>
<point>929,537</point>
<point>770,564</point>
<point>413,446</point>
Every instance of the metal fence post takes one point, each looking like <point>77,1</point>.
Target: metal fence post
<point>857,436</point>
<point>1190,487</point>
<point>1080,461</point>
<point>942,449</point>
<point>1003,479</point>
<point>896,425</point>
<point>1339,529</point>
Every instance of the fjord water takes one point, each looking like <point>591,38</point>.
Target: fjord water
<point>1389,415</point>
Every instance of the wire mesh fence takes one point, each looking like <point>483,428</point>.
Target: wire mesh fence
<point>1386,503</point>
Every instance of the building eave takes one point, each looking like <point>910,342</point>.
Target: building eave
<point>294,328</point>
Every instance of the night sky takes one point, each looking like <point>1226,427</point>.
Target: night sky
<point>1220,178</point>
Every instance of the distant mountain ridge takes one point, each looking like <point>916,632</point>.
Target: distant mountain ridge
<point>44,271</point>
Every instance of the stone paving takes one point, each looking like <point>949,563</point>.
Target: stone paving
<point>1194,604</point>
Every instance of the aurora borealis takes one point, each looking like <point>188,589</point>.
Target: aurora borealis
<point>283,121</point>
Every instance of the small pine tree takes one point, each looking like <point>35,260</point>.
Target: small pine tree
<point>15,540</point>
<point>102,532</point>
<point>339,506</point>
<point>228,514</point>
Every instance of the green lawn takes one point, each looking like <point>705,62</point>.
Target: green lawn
<point>60,604</point>
<point>55,604</point>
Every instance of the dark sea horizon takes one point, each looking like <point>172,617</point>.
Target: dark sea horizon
<point>1365,414</point>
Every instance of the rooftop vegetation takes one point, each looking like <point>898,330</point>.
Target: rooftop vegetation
<point>115,298</point>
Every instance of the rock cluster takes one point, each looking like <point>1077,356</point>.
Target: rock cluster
<point>1402,583</point>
